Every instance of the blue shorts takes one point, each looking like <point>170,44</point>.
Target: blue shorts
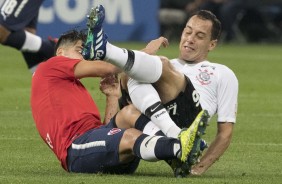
<point>19,14</point>
<point>97,150</point>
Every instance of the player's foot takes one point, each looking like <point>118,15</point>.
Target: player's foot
<point>199,144</point>
<point>95,45</point>
<point>191,138</point>
<point>180,169</point>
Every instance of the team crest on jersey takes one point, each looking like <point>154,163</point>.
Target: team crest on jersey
<point>114,131</point>
<point>204,77</point>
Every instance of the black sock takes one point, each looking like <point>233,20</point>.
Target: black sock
<point>47,49</point>
<point>142,121</point>
<point>32,59</point>
<point>16,39</point>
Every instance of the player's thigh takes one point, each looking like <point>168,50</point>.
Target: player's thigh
<point>18,14</point>
<point>97,150</point>
<point>171,83</point>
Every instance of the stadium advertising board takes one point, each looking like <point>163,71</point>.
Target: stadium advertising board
<point>126,20</point>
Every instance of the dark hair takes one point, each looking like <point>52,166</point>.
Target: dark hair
<point>216,24</point>
<point>71,37</point>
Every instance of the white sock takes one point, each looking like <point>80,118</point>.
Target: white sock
<point>32,42</point>
<point>151,129</point>
<point>165,123</point>
<point>143,96</point>
<point>153,148</point>
<point>147,148</point>
<point>140,66</point>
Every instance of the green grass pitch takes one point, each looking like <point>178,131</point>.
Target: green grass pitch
<point>254,156</point>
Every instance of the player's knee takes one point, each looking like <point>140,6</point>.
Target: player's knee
<point>168,71</point>
<point>130,136</point>
<point>167,66</point>
<point>131,110</point>
<point>127,117</point>
<point>128,140</point>
<point>130,114</point>
<point>4,33</point>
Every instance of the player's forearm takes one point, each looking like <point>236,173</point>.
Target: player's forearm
<point>111,108</point>
<point>216,149</point>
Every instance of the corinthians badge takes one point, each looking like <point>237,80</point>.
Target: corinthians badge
<point>204,77</point>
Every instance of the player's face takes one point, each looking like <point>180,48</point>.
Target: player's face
<point>196,40</point>
<point>73,51</point>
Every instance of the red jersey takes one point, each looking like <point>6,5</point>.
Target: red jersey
<point>61,106</point>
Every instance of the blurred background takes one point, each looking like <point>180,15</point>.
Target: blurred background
<point>242,20</point>
<point>129,20</point>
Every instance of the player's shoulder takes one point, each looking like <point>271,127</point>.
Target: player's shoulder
<point>177,60</point>
<point>224,73</point>
<point>178,63</point>
<point>50,63</point>
<point>220,68</point>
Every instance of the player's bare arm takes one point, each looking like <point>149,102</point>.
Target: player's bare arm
<point>95,69</point>
<point>109,86</point>
<point>216,149</point>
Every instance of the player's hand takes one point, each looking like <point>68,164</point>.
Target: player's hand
<point>197,171</point>
<point>110,86</point>
<point>153,46</point>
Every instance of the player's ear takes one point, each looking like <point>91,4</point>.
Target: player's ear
<point>59,51</point>
<point>213,44</point>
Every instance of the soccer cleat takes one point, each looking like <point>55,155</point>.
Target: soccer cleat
<point>191,142</point>
<point>95,45</point>
<point>199,144</point>
<point>180,169</point>
<point>203,145</point>
<point>190,138</point>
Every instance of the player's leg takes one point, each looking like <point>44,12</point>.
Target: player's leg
<point>147,100</point>
<point>145,97</point>
<point>143,123</point>
<point>200,117</point>
<point>152,147</point>
<point>130,117</point>
<point>96,150</point>
<point>36,53</point>
<point>17,29</point>
<point>132,62</point>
